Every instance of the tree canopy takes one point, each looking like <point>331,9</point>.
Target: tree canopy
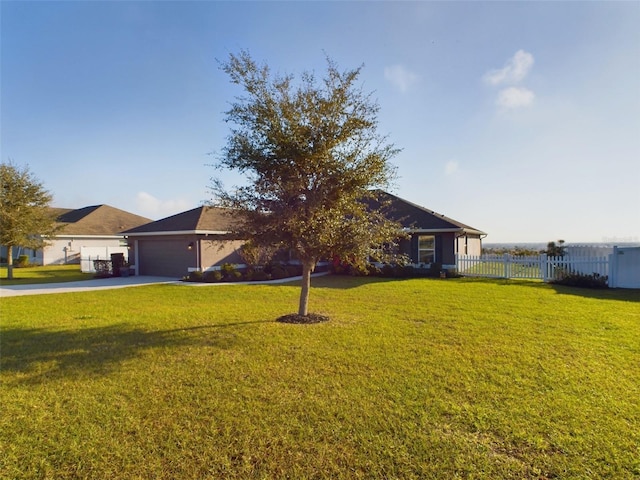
<point>25,217</point>
<point>312,158</point>
<point>556,249</point>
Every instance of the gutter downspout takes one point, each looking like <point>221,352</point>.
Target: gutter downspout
<point>198,265</point>
<point>137,259</point>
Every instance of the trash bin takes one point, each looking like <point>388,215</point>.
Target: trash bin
<point>117,261</point>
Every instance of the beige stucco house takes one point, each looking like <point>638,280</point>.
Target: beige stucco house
<point>95,229</point>
<point>192,240</point>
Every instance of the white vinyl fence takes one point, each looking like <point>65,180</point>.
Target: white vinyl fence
<point>625,268</point>
<point>89,254</point>
<point>622,266</point>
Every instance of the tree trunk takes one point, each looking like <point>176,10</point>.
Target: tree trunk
<point>9,262</point>
<point>307,268</point>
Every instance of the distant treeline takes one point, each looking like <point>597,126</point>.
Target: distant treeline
<point>556,249</point>
<point>552,248</point>
<point>512,250</point>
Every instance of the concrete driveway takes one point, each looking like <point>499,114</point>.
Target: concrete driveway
<point>119,282</point>
<point>81,286</point>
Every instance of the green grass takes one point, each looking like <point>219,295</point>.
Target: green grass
<point>48,274</point>
<point>425,378</point>
<point>498,269</point>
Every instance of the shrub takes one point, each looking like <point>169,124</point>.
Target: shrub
<point>227,270</point>
<point>278,272</point>
<point>435,269</point>
<point>407,271</point>
<point>259,276</point>
<point>212,276</point>
<point>387,270</point>
<point>293,270</point>
<point>22,261</point>
<point>268,268</point>
<point>195,276</point>
<point>357,271</point>
<point>338,268</point>
<point>374,270</point>
<point>595,280</point>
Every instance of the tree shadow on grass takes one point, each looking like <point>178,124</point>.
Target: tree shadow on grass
<point>620,294</point>
<point>35,355</point>
<point>345,282</point>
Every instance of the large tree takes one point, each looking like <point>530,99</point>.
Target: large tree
<point>312,158</point>
<point>25,217</point>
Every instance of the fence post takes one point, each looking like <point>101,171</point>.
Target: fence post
<point>613,268</point>
<point>544,267</point>
<point>507,267</point>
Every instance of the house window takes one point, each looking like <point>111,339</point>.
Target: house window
<point>426,249</point>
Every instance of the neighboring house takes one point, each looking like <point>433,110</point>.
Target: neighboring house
<point>434,238</point>
<point>96,227</point>
<point>196,239</point>
<point>192,240</point>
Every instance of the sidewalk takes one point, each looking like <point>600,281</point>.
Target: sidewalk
<point>81,286</point>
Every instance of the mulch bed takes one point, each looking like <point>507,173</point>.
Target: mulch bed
<point>302,319</point>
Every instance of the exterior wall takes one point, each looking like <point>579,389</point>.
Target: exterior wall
<point>444,247</point>
<point>469,245</point>
<point>215,252</point>
<point>63,250</point>
<point>66,249</point>
<point>475,245</point>
<point>35,256</point>
<point>409,247</point>
<point>171,255</point>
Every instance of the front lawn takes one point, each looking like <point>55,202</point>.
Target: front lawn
<point>48,274</point>
<point>422,378</point>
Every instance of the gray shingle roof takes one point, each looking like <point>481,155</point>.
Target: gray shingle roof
<point>96,220</point>
<point>207,219</point>
<point>415,217</point>
<point>201,219</point>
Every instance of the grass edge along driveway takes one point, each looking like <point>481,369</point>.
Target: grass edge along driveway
<point>47,274</point>
<point>410,379</point>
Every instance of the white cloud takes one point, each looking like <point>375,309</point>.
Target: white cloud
<point>515,97</point>
<point>514,71</point>
<point>152,207</point>
<point>400,77</point>
<point>451,167</point>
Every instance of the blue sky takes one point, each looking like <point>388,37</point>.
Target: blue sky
<point>521,119</point>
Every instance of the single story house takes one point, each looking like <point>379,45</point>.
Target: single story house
<point>95,229</point>
<point>196,239</point>
<point>192,240</point>
<point>433,237</point>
